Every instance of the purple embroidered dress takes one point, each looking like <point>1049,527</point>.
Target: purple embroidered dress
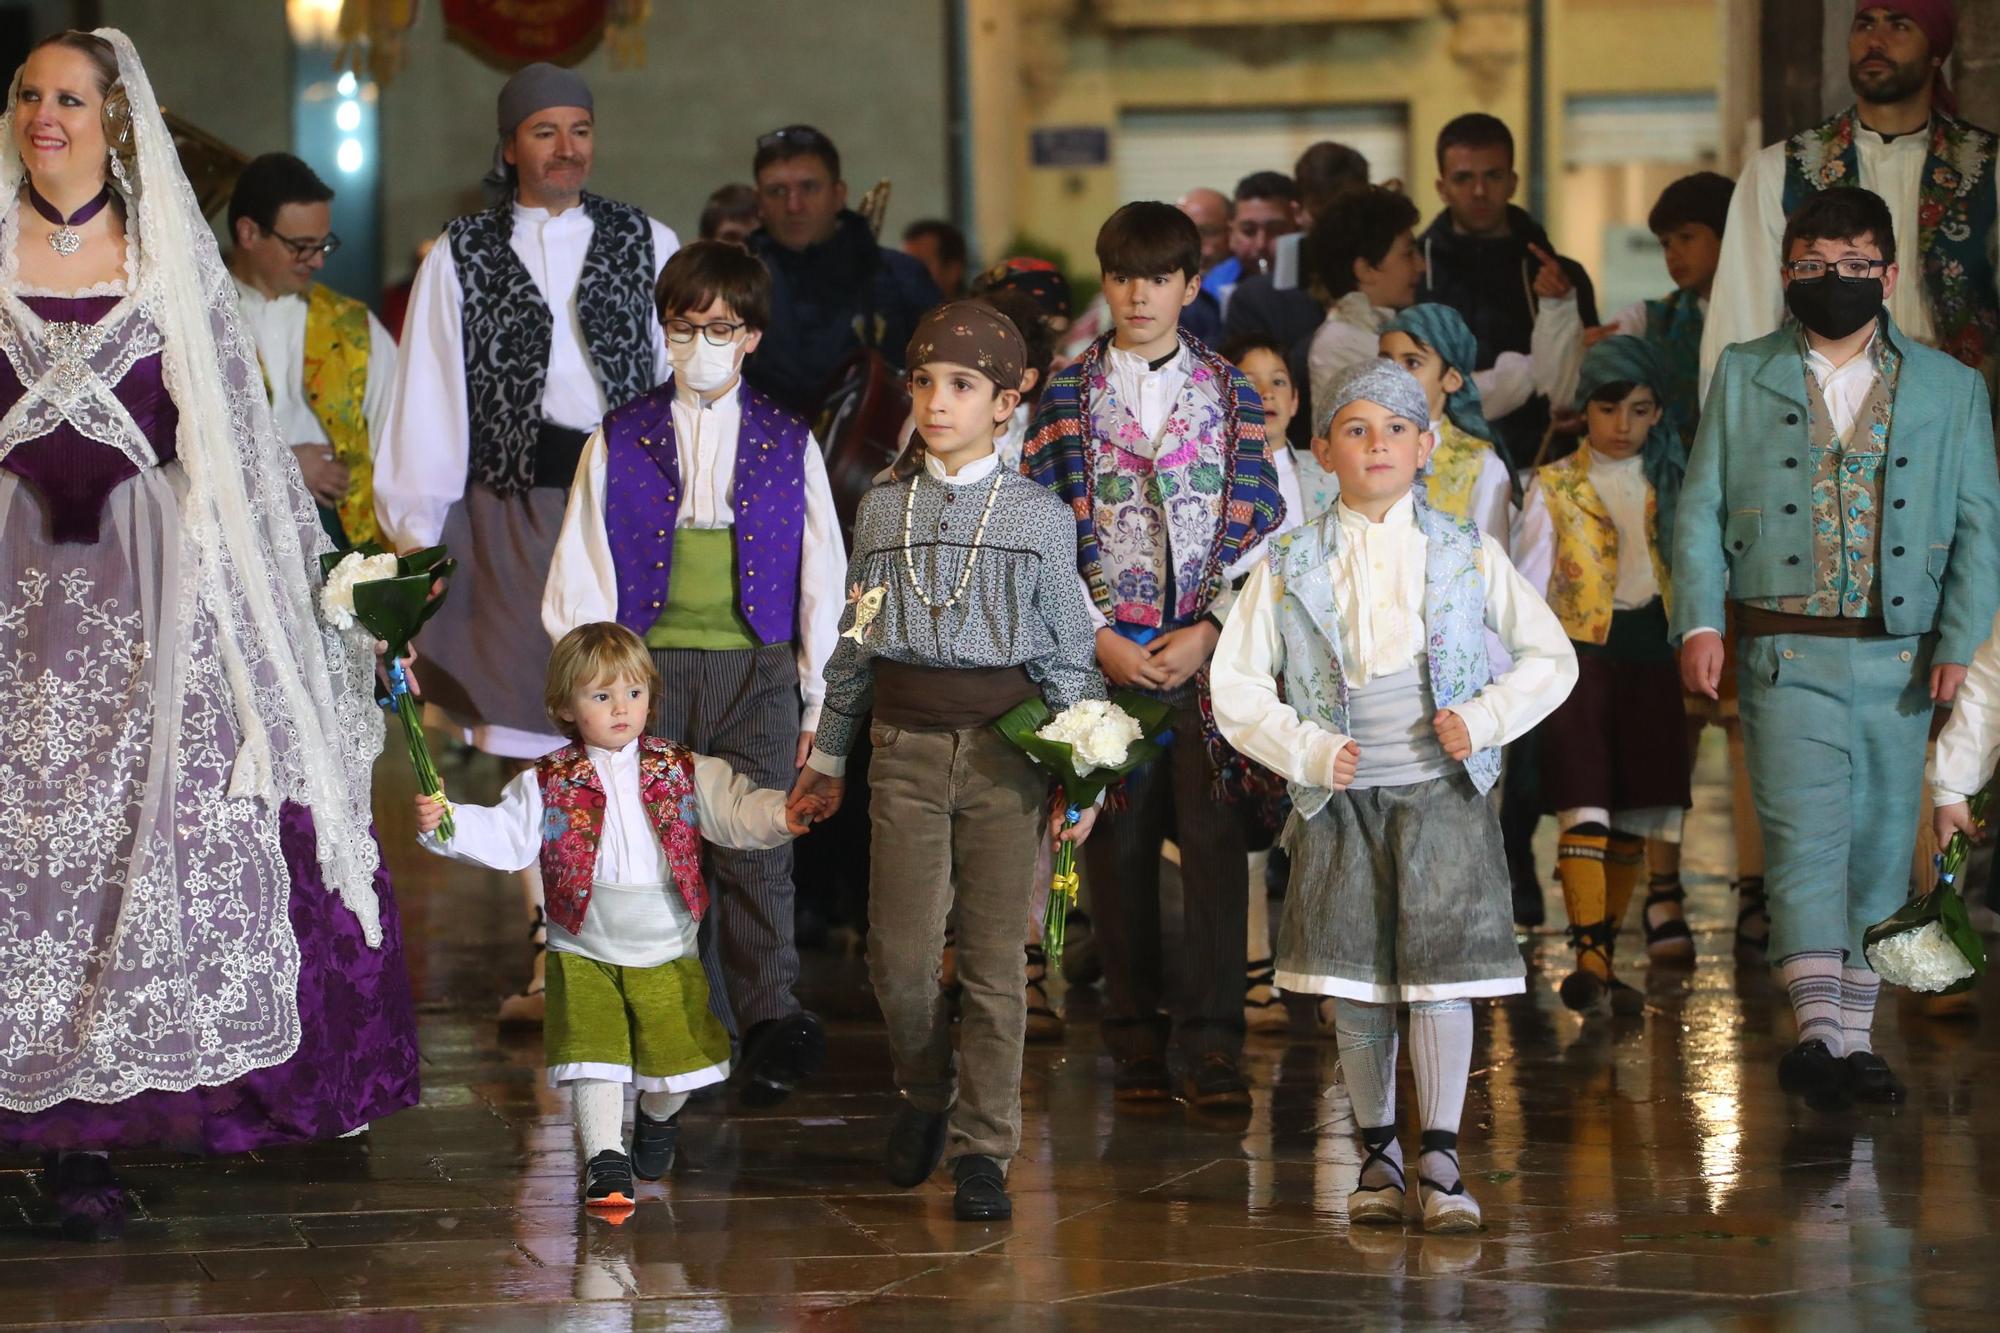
<point>173,970</point>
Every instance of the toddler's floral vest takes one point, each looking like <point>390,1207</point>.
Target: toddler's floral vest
<point>1454,627</point>
<point>573,803</point>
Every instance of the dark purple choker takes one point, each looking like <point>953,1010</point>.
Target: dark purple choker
<point>64,240</point>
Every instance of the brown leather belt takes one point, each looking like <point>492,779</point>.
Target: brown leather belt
<point>1755,622</point>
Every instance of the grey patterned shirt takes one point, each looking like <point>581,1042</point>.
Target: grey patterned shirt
<point>1022,606</point>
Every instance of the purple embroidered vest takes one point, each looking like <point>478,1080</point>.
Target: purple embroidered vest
<point>642,498</point>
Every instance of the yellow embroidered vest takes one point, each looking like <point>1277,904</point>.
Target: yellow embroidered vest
<point>336,383</point>
<point>1584,574</point>
<point>1455,467</point>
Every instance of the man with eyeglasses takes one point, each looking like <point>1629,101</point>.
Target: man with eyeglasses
<point>527,323</point>
<point>1900,139</point>
<point>329,365</point>
<point>1842,496</point>
<point>834,289</point>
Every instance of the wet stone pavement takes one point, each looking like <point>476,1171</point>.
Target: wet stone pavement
<point>1642,1173</point>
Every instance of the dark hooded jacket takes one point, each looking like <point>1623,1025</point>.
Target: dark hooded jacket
<point>1491,281</point>
<point>828,300</point>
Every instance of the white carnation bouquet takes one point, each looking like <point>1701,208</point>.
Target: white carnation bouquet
<point>1929,944</point>
<point>1098,732</point>
<point>336,597</point>
<point>1087,747</point>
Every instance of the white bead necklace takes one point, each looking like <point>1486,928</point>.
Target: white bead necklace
<point>971,557</point>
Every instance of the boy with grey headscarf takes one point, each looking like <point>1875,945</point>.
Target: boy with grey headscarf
<point>1355,664</point>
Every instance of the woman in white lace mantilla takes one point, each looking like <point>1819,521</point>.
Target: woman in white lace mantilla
<point>197,944</point>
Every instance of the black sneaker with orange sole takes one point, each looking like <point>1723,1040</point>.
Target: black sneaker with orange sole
<point>607,1181</point>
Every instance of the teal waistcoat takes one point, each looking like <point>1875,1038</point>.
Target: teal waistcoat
<point>1315,682</point>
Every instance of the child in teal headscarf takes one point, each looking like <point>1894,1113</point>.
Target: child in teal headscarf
<point>1596,531</point>
<point>1467,477</point>
<point>1687,220</point>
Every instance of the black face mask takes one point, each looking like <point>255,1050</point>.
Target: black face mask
<point>1833,306</point>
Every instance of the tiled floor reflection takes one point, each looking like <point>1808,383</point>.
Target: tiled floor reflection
<point>1643,1174</point>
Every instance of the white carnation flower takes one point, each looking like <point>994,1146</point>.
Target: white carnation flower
<point>336,599</point>
<point>1100,734</point>
<point>1924,959</point>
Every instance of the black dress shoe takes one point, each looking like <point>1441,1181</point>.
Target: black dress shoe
<point>916,1146</point>
<point>1215,1084</point>
<point>90,1203</point>
<point>778,1055</point>
<point>1142,1079</point>
<point>1869,1079</point>
<point>1811,1071</point>
<point>653,1144</point>
<point>982,1191</point>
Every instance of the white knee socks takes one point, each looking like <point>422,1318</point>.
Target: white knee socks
<point>1441,1059</point>
<point>1366,1036</point>
<point>662,1105</point>
<point>1812,980</point>
<point>598,1107</point>
<point>1859,988</point>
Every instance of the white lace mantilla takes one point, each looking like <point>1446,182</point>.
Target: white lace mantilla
<point>165,689</point>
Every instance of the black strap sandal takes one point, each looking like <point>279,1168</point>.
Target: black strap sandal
<point>1380,1153</point>
<point>1674,928</point>
<point>1752,908</point>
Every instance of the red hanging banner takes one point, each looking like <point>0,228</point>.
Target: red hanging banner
<point>513,33</point>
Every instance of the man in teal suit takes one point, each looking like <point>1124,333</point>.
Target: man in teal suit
<point>1843,494</point>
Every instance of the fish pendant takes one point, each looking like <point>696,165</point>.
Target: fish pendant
<point>65,242</point>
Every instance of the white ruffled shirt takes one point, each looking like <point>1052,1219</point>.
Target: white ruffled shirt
<point>583,577</point>
<point>1845,388</point>
<point>1378,590</point>
<point>277,328</point>
<point>1149,393</point>
<point>642,922</point>
<point>421,460</point>
<point>1969,745</point>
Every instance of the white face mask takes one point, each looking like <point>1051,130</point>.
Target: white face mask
<point>701,365</point>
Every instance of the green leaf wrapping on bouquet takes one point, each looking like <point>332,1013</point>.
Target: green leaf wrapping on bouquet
<point>1943,905</point>
<point>393,610</point>
<point>1020,723</point>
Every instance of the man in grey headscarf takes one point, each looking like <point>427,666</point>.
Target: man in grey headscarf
<point>527,323</point>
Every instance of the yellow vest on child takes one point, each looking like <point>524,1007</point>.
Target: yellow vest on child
<point>1455,467</point>
<point>1583,576</point>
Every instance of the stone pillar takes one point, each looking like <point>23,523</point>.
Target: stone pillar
<point>1976,63</point>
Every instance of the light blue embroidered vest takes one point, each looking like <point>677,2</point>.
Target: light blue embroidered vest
<point>1454,624</point>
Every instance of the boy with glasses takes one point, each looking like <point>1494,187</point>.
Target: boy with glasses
<point>701,520</point>
<point>1842,496</point>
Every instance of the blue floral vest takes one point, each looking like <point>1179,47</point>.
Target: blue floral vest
<point>1309,624</point>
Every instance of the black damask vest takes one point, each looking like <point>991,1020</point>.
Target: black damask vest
<point>508,330</point>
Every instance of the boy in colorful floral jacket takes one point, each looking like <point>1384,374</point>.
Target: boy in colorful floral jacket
<point>1157,446</point>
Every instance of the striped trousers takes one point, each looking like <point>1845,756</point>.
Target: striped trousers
<point>742,706</point>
